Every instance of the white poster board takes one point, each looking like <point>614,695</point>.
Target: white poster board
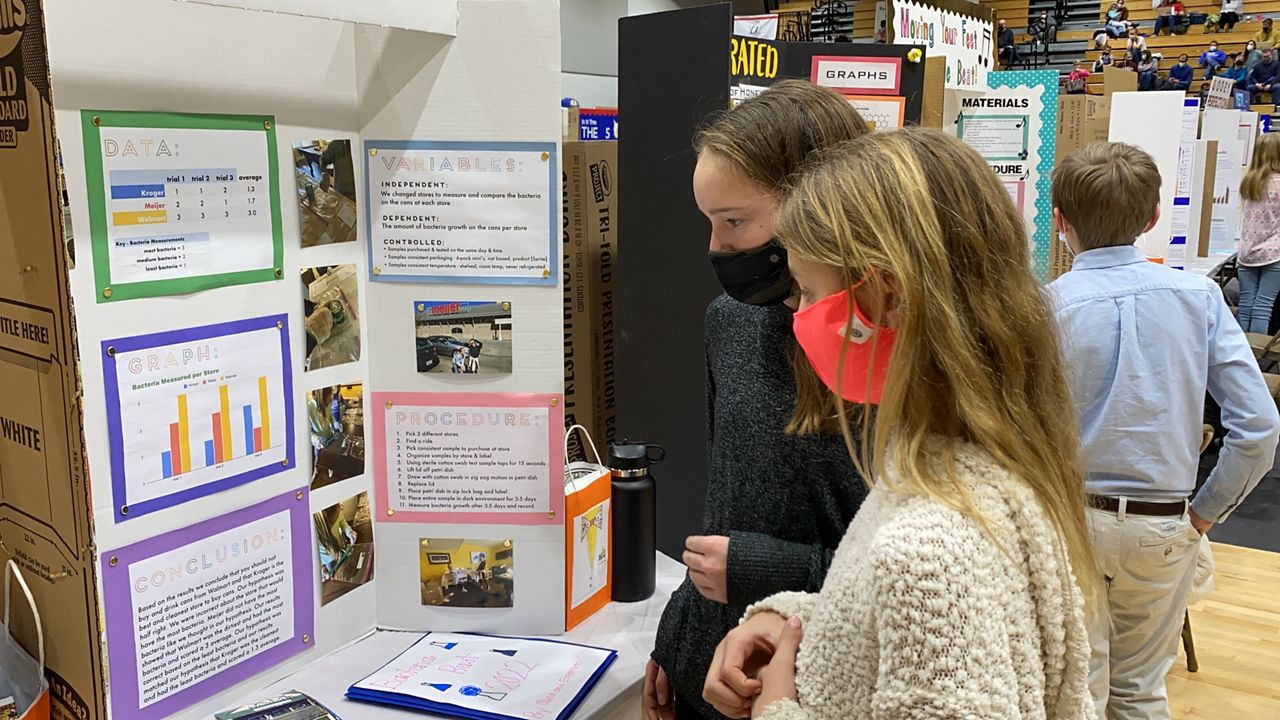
<point>1224,224</point>
<point>968,44</point>
<point>1153,121</point>
<point>764,27</point>
<point>1180,221</point>
<point>436,16</point>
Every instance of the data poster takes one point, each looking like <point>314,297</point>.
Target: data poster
<point>459,458</point>
<point>180,202</point>
<point>462,212</point>
<point>195,611</point>
<point>197,410</point>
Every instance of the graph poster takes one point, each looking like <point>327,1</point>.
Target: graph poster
<point>492,458</point>
<point>1013,125</point>
<point>180,203</point>
<point>462,212</point>
<point>195,611</point>
<point>194,411</point>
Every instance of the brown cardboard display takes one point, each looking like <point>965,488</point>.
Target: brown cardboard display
<point>1082,119</point>
<point>1116,80</point>
<point>1206,199</point>
<point>935,79</point>
<point>589,232</point>
<point>45,521</point>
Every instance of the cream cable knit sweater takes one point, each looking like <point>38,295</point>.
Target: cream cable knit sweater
<point>922,617</point>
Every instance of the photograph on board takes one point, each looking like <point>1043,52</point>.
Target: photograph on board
<point>326,192</point>
<point>463,337</point>
<point>336,418</point>
<point>467,573</point>
<point>344,534</point>
<point>331,305</point>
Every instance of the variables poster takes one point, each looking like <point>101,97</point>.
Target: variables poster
<point>193,612</point>
<point>1013,126</point>
<point>180,202</point>
<point>462,212</point>
<point>469,458</point>
<point>194,411</point>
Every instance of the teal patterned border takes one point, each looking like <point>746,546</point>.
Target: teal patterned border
<point>1047,81</point>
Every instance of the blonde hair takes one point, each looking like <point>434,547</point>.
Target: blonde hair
<point>977,358</point>
<point>1266,160</point>
<point>1108,192</point>
<point>769,138</point>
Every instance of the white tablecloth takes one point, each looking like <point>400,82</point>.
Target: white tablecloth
<point>1206,266</point>
<point>629,628</point>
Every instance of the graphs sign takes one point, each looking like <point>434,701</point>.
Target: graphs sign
<point>198,410</point>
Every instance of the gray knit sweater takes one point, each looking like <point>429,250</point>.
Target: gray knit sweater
<point>783,501</point>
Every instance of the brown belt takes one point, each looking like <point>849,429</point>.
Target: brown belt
<point>1138,507</point>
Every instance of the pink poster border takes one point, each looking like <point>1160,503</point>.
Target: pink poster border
<point>553,402</point>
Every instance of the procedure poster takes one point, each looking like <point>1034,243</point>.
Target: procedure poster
<point>462,212</point>
<point>1013,125</point>
<point>492,458</point>
<point>181,202</point>
<point>194,411</point>
<point>1180,221</point>
<point>192,612</point>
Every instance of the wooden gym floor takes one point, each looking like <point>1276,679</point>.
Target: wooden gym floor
<point>1237,636</point>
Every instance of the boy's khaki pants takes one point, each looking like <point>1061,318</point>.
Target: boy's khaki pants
<point>1147,564</point>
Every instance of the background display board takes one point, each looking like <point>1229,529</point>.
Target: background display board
<point>1153,121</point>
<point>960,31</point>
<point>1013,125</point>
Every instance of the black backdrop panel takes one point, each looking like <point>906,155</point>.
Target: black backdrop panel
<point>797,62</point>
<point>673,71</point>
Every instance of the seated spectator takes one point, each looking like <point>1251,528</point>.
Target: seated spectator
<point>1237,72</point>
<point>1103,60</point>
<point>1148,72</point>
<point>1004,41</point>
<point>1229,15</point>
<point>1179,75</point>
<point>1268,36</point>
<point>1044,28</point>
<point>1077,78</point>
<point>1101,40</point>
<point>1252,55</point>
<point>1169,14</point>
<point>1117,19</point>
<point>881,35</point>
<point>1212,59</point>
<point>1136,43</point>
<point>1263,76</point>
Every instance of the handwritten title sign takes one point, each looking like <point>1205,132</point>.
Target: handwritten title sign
<point>967,43</point>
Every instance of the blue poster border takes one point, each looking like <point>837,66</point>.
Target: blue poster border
<point>1047,82</point>
<point>121,509</point>
<point>371,147</point>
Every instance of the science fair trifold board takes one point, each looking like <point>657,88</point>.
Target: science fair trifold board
<point>287,454</point>
<point>1013,125</point>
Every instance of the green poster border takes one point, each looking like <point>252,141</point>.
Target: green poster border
<point>1026,134</point>
<point>91,121</point>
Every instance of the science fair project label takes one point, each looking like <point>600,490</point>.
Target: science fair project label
<point>462,212</point>
<point>192,612</point>
<point>491,677</point>
<point>469,458</point>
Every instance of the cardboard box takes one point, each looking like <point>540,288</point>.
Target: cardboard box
<point>1082,119</point>
<point>45,517</point>
<point>589,235</point>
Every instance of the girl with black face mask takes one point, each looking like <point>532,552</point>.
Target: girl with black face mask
<point>780,493</point>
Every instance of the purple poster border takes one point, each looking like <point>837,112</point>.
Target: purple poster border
<point>115,437</point>
<point>118,598</point>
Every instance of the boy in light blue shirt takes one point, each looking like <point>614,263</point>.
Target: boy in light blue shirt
<point>1143,343</point>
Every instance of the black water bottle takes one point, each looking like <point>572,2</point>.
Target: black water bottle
<point>634,524</point>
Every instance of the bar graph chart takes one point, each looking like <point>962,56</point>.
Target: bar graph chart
<point>198,413</point>
<point>221,444</point>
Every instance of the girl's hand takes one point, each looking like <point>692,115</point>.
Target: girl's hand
<point>731,684</point>
<point>779,678</point>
